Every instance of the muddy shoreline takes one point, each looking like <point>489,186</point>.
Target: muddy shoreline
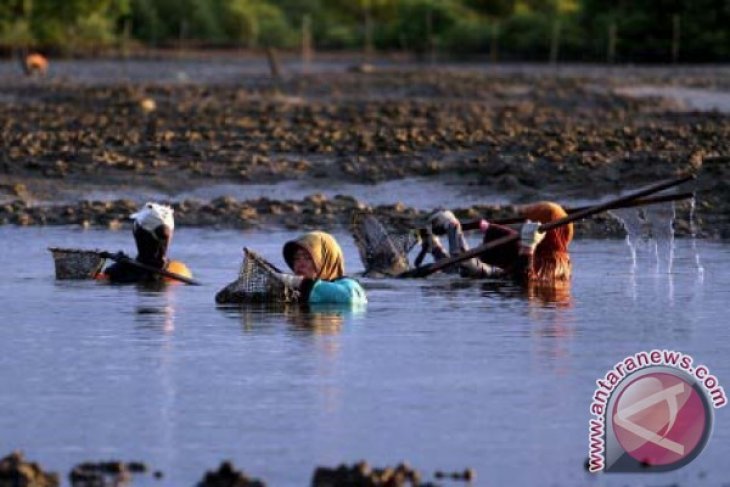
<point>524,132</point>
<point>314,212</point>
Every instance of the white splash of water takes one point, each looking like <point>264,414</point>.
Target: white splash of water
<point>693,240</point>
<point>650,229</point>
<point>631,221</point>
<point>661,218</point>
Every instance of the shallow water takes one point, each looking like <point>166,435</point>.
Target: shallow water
<point>417,192</point>
<point>207,68</point>
<point>687,99</point>
<point>445,374</point>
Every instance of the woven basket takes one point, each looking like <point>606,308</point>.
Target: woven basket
<point>257,283</point>
<point>76,263</point>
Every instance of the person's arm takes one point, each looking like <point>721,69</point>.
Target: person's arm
<point>430,244</point>
<point>530,237</point>
<point>446,222</point>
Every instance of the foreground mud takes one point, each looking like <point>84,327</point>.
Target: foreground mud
<point>15,471</point>
<point>518,132</point>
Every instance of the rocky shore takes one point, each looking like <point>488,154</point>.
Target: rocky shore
<point>312,212</point>
<point>524,133</point>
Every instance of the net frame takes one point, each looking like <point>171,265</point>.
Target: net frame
<point>381,251</point>
<point>76,264</point>
<point>257,282</point>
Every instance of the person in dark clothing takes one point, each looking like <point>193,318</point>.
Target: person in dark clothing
<point>515,260</point>
<point>542,261</point>
<point>153,227</point>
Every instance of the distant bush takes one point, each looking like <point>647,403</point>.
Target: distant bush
<point>645,29</point>
<point>415,20</point>
<point>257,23</point>
<point>469,36</point>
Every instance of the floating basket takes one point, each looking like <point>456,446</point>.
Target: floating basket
<point>381,251</point>
<point>257,283</point>
<point>76,263</point>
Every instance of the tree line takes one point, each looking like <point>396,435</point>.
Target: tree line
<point>576,30</point>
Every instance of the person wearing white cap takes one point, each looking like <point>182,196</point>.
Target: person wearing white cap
<point>153,227</point>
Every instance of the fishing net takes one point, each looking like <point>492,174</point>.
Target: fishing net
<point>381,251</point>
<point>76,263</point>
<point>257,283</point>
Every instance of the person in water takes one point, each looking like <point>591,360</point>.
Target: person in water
<point>534,257</point>
<point>319,270</point>
<point>152,229</point>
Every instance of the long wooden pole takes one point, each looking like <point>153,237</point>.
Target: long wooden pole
<point>427,270</point>
<point>134,263</point>
<point>474,224</point>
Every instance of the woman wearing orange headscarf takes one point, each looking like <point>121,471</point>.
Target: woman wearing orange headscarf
<point>536,256</point>
<point>533,257</point>
<point>551,261</point>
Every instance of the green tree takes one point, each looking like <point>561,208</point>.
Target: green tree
<point>76,23</point>
<point>15,23</point>
<point>493,8</point>
<point>256,23</point>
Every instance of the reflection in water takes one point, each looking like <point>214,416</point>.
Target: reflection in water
<point>549,307</point>
<point>540,295</point>
<point>319,319</point>
<point>322,319</point>
<point>320,325</point>
<point>554,295</point>
<point>159,314</point>
<point>155,311</point>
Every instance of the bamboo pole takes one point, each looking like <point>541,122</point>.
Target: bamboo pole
<point>427,270</point>
<point>494,43</point>
<point>676,36</point>
<point>474,224</point>
<point>307,50</point>
<point>555,42</point>
<point>612,37</point>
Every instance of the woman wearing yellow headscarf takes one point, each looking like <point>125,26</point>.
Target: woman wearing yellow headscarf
<point>319,270</point>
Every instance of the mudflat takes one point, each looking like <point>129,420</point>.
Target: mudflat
<point>534,132</point>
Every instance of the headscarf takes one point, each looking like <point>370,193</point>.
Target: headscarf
<point>152,215</point>
<point>324,251</point>
<point>551,258</point>
<point>152,230</point>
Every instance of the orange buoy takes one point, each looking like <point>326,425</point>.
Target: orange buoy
<point>178,268</point>
<point>36,64</point>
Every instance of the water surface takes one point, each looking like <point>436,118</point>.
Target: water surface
<point>440,372</point>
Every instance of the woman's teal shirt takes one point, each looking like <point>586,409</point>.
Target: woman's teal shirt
<point>344,290</point>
